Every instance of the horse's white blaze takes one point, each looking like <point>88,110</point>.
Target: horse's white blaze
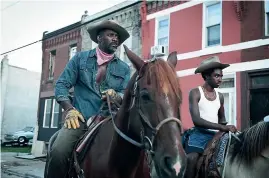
<point>177,167</point>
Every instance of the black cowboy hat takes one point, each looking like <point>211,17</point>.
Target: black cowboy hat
<point>108,24</point>
<point>211,63</point>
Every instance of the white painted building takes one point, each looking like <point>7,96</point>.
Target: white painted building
<point>19,97</point>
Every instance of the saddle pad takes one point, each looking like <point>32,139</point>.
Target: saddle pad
<point>221,150</point>
<point>84,145</point>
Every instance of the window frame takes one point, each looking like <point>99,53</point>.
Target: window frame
<point>44,115</point>
<point>232,98</point>
<point>70,50</point>
<point>52,115</point>
<point>266,29</point>
<point>204,26</point>
<point>51,72</point>
<point>157,20</point>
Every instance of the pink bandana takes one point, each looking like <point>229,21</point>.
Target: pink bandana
<point>102,57</point>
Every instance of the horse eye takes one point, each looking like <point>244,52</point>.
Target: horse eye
<point>144,95</point>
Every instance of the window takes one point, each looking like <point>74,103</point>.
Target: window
<point>227,88</point>
<point>266,10</point>
<point>55,115</point>
<point>72,51</point>
<point>212,24</point>
<point>162,31</point>
<point>47,113</point>
<point>52,64</point>
<point>51,114</point>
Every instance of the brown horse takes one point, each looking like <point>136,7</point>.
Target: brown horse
<point>146,127</point>
<point>247,154</point>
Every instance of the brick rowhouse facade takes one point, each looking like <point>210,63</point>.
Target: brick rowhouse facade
<point>243,42</point>
<point>57,47</point>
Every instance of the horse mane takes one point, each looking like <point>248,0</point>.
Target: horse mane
<point>253,141</point>
<point>163,77</point>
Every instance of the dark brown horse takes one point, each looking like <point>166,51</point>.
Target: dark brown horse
<point>146,125</point>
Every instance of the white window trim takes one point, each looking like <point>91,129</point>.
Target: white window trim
<point>70,49</point>
<point>266,2</point>
<point>51,75</point>
<point>52,115</point>
<point>44,115</point>
<point>157,27</point>
<point>230,91</point>
<point>204,32</point>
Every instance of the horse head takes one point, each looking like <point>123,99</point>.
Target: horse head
<point>154,95</point>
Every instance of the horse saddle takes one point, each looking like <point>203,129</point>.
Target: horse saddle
<point>211,162</point>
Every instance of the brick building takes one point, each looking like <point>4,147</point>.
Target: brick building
<point>57,48</point>
<point>237,32</point>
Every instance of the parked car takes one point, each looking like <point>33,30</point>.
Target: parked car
<point>21,137</point>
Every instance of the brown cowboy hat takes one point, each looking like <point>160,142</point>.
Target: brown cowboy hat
<point>211,63</point>
<point>108,24</point>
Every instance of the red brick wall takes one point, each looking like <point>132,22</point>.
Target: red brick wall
<point>253,29</point>
<point>252,26</point>
<point>186,29</point>
<point>61,44</point>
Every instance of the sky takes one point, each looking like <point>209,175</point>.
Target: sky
<point>23,22</point>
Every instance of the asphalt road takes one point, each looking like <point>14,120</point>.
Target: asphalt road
<point>4,175</point>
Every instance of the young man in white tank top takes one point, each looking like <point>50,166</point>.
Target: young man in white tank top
<point>207,111</point>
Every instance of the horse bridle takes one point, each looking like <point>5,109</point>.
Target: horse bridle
<point>147,143</point>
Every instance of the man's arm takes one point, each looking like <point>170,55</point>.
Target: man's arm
<point>194,97</point>
<point>221,113</point>
<point>65,82</point>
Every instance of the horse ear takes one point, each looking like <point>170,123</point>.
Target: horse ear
<point>135,60</point>
<point>172,59</point>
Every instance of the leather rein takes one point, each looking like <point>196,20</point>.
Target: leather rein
<point>146,142</point>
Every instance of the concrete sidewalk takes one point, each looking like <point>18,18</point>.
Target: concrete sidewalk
<point>22,165</point>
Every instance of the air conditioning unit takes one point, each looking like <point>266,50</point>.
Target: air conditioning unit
<point>159,50</point>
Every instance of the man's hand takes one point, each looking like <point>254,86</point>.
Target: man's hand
<point>112,93</point>
<point>71,119</point>
<point>230,128</point>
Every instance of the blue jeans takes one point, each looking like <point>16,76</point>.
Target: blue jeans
<point>196,139</point>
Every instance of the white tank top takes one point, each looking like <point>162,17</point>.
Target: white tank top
<point>209,109</point>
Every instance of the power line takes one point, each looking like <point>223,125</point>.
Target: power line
<point>76,26</point>
<point>22,47</point>
<point>9,6</point>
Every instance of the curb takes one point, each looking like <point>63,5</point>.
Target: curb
<point>26,175</point>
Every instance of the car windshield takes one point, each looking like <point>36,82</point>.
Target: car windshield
<point>27,129</point>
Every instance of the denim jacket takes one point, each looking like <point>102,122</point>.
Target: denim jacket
<point>80,73</point>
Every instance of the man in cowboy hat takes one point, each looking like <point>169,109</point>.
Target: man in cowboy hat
<point>92,74</point>
<point>207,111</point>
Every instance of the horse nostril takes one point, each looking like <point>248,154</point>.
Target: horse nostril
<point>171,166</point>
<point>167,165</point>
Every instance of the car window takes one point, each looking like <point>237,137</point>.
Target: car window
<point>28,129</point>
